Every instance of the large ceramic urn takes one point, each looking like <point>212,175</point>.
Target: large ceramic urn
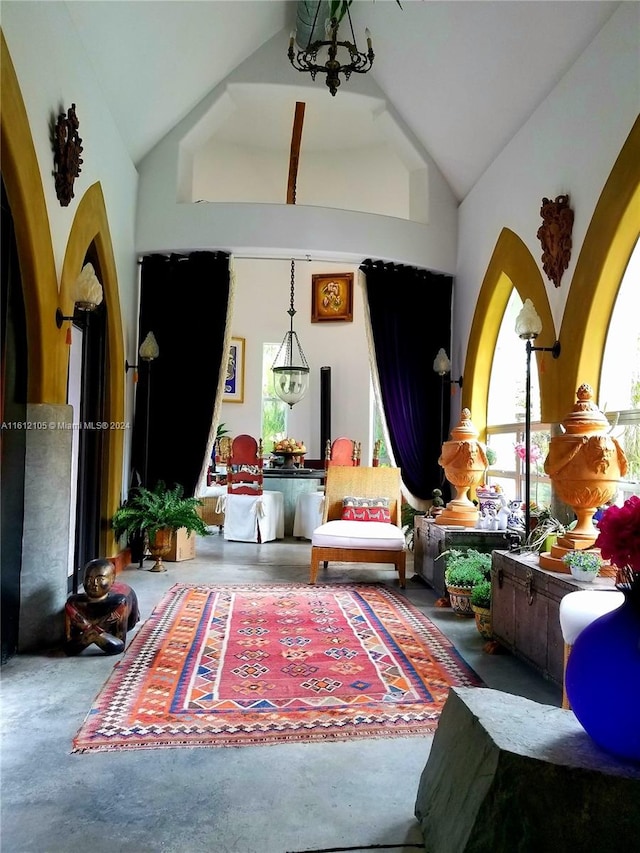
<point>585,465</point>
<point>464,461</point>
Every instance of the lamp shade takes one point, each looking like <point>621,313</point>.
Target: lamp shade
<point>291,383</point>
<point>441,363</point>
<point>87,290</point>
<point>528,323</point>
<point>290,371</point>
<point>149,349</point>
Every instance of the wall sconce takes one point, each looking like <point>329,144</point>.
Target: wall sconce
<point>442,366</point>
<point>86,294</point>
<point>528,327</point>
<point>149,351</point>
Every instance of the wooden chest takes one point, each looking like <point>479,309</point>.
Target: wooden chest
<point>525,609</point>
<point>431,539</point>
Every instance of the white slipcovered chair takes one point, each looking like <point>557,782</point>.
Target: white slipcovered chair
<point>308,513</point>
<point>250,514</point>
<point>349,541</point>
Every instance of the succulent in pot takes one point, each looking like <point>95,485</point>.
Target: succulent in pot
<point>584,565</point>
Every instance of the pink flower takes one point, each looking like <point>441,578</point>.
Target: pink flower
<point>534,452</point>
<point>619,534</point>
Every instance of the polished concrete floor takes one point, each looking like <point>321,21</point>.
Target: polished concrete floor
<point>288,798</point>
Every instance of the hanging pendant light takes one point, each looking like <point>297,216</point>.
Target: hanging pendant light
<point>290,369</point>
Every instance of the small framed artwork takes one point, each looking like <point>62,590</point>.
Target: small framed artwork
<point>234,380</point>
<point>332,297</point>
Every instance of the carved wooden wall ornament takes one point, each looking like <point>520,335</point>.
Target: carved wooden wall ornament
<point>67,147</point>
<point>555,236</point>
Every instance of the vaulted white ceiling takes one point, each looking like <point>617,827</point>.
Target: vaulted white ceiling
<point>463,76</point>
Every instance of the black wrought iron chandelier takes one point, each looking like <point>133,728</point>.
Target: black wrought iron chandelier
<point>307,58</point>
<point>290,369</point>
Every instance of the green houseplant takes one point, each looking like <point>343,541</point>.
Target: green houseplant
<point>481,606</point>
<point>464,571</point>
<point>545,533</point>
<point>584,565</point>
<point>157,514</point>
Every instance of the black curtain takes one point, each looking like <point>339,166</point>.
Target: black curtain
<point>410,311</point>
<point>183,301</point>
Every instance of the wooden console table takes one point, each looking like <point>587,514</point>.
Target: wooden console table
<point>292,482</point>
<point>525,609</point>
<point>431,539</point>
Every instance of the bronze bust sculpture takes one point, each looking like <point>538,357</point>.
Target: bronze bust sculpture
<point>102,614</point>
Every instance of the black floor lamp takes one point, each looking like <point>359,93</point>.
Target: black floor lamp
<point>528,327</point>
<point>148,352</point>
<point>442,366</point>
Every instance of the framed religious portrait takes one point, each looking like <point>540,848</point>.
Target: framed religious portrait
<point>332,297</point>
<point>234,380</point>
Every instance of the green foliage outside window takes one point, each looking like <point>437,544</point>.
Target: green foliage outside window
<point>274,410</point>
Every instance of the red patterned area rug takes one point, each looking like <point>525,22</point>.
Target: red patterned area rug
<point>255,664</point>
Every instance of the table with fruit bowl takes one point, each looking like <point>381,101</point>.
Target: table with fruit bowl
<point>288,450</point>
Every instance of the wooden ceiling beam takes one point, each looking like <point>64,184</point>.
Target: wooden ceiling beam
<point>296,138</point>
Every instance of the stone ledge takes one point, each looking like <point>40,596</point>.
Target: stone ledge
<point>508,774</point>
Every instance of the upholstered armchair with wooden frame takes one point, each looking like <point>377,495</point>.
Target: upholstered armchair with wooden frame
<point>338,540</point>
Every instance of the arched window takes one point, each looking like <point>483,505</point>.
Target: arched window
<point>506,416</point>
<point>620,375</point>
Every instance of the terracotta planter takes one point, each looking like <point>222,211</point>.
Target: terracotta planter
<point>460,597</point>
<point>483,621</point>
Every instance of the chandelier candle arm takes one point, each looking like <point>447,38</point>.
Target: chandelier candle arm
<point>306,59</point>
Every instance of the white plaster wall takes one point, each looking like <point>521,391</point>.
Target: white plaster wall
<point>262,296</point>
<point>226,172</point>
<point>373,180</point>
<point>283,230</point>
<point>569,145</point>
<point>53,72</point>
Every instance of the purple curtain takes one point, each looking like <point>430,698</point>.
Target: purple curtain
<point>183,301</point>
<point>410,312</point>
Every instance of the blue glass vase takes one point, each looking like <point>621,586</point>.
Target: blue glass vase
<point>603,679</point>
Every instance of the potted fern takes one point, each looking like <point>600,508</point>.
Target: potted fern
<point>157,514</point>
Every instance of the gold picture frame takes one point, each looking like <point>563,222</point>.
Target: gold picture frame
<point>332,297</point>
<point>234,380</point>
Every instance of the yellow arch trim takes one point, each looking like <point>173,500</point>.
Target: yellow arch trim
<point>21,174</point>
<point>511,266</point>
<point>605,253</point>
<point>90,225</point>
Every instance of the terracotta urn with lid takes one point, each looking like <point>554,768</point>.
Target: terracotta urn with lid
<point>464,461</point>
<point>585,464</point>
